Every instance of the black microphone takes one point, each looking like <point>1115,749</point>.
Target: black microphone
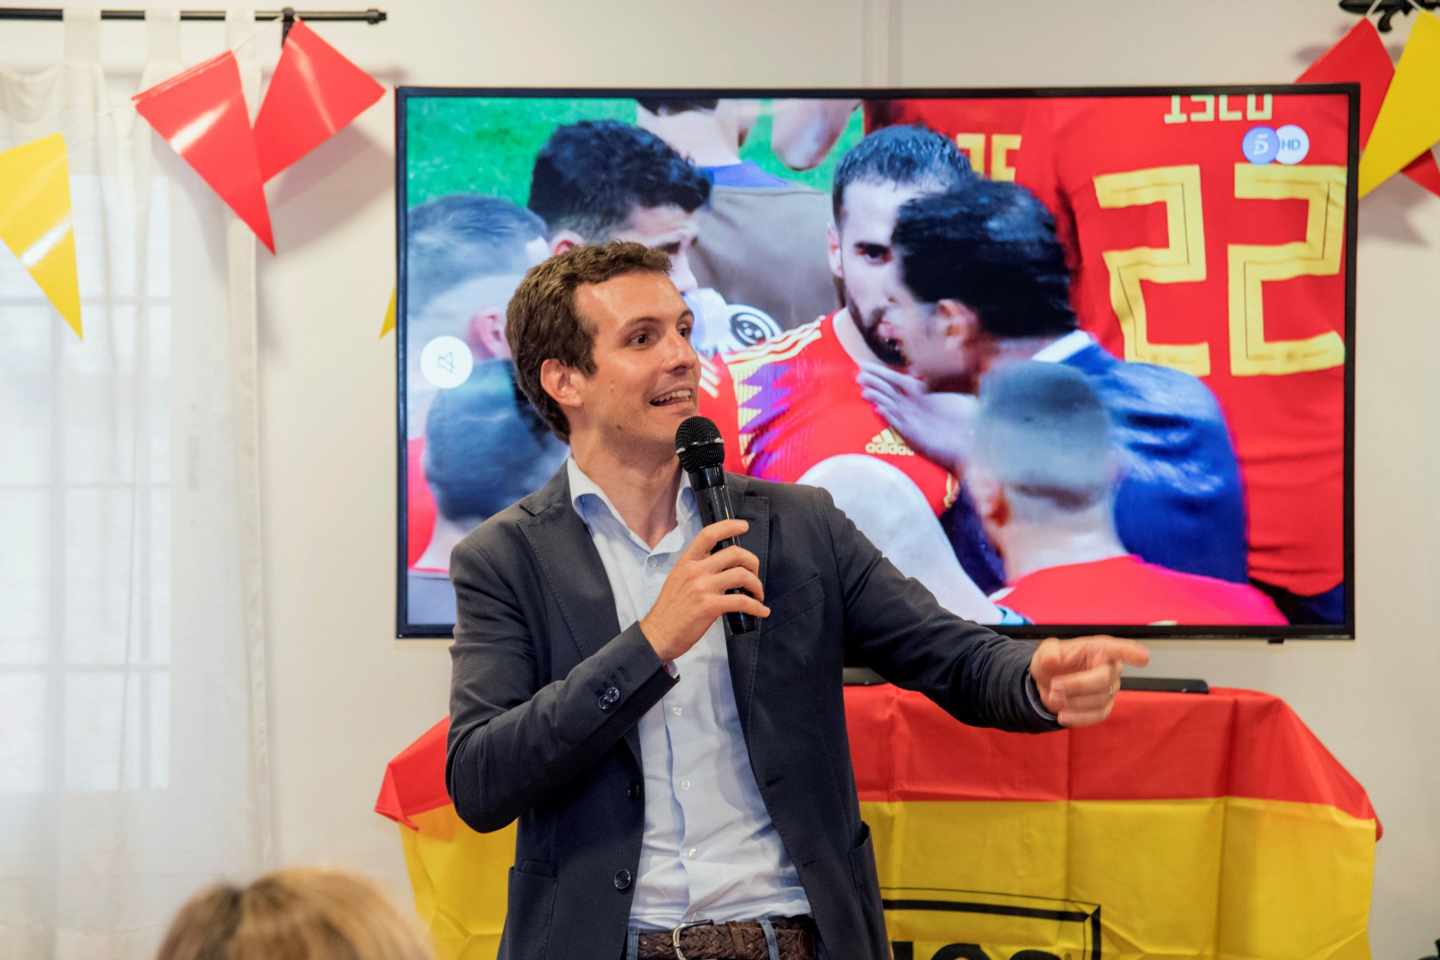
<point>701,450</point>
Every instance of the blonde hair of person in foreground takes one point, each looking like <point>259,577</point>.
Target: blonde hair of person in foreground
<point>297,914</point>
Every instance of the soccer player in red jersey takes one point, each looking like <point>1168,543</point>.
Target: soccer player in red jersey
<point>1042,474</point>
<point>787,405</point>
<point>1207,234</point>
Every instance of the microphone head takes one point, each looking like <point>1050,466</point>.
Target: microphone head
<point>699,445</point>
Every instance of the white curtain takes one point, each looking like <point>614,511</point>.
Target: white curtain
<point>133,750</point>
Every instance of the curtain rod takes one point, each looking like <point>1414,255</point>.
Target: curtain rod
<point>1388,9</point>
<point>371,16</point>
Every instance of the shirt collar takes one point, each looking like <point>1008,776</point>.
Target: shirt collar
<point>1065,348</point>
<point>585,494</point>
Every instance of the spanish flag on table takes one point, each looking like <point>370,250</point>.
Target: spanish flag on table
<point>1184,826</point>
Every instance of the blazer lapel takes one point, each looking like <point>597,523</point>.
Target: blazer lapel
<point>744,650</point>
<point>574,575</point>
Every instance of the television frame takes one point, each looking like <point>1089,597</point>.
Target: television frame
<point>404,629</point>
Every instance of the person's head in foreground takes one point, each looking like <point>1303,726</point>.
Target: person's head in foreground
<point>983,281</point>
<point>872,181</point>
<point>601,340</point>
<point>1044,467</point>
<point>297,914</point>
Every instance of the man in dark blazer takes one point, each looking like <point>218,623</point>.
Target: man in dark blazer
<point>681,793</point>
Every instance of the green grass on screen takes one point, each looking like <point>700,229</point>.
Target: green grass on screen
<point>487,145</point>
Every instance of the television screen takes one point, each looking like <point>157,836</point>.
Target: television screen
<point>1077,360</point>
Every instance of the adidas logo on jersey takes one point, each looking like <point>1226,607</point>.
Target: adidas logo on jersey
<point>889,443</point>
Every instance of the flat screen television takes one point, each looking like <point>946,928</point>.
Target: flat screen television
<point>1078,360</point>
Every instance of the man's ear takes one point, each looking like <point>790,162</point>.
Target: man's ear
<point>832,251</point>
<point>487,334</point>
<point>562,240</point>
<point>988,496</point>
<point>959,324</point>
<point>561,383</point>
<point>1000,509</point>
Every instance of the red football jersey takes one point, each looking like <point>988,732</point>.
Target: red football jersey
<point>1187,254</point>
<point>791,402</point>
<point>987,130</point>
<point>1129,590</point>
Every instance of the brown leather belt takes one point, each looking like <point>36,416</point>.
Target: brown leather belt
<point>738,940</point>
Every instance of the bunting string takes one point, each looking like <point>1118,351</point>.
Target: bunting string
<point>202,114</point>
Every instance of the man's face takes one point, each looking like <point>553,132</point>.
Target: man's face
<point>932,341</point>
<point>646,372</point>
<point>862,258</point>
<point>669,229</point>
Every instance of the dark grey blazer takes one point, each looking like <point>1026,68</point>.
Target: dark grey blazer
<point>547,691</point>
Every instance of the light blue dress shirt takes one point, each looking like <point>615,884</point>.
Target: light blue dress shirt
<point>710,851</point>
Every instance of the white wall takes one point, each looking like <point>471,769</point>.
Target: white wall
<point>347,696</point>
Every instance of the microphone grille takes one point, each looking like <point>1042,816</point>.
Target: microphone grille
<point>699,445</point>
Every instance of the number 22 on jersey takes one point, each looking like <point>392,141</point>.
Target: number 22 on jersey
<point>1250,266</point>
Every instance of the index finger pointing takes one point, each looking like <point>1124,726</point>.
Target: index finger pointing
<point>1128,652</point>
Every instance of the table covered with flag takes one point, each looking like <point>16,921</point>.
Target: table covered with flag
<point>1184,826</point>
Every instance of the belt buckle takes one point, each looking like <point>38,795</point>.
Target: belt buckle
<point>675,936</point>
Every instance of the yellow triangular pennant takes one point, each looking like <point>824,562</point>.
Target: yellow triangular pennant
<point>35,220</point>
<point>1409,121</point>
<point>389,322</point>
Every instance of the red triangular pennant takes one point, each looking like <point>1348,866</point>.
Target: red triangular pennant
<point>1360,57</point>
<point>315,92</point>
<point>201,113</point>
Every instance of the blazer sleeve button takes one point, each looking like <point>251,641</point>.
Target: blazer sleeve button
<point>623,879</point>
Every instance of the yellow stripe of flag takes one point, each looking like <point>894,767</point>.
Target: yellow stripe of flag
<point>1213,877</point>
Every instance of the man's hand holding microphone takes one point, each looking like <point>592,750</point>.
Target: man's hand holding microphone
<point>701,588</point>
<point>714,575</point>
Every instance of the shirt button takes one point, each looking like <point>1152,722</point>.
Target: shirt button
<point>623,879</point>
<point>677,710</point>
<point>685,783</point>
<point>690,854</point>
